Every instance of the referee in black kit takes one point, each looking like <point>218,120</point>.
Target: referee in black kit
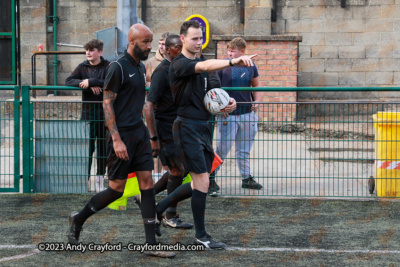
<point>189,81</point>
<point>128,140</point>
<point>160,111</point>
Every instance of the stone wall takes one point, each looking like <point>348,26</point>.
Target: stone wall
<point>79,19</point>
<point>358,45</point>
<point>33,33</point>
<point>345,47</point>
<point>222,15</point>
<point>78,22</point>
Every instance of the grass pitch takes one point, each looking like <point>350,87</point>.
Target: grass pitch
<point>258,232</point>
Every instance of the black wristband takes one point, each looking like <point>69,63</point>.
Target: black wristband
<point>154,138</point>
<point>230,62</point>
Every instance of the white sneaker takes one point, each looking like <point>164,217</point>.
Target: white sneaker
<point>99,183</point>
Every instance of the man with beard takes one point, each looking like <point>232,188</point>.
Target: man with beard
<point>128,140</point>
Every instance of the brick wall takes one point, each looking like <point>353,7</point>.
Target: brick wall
<point>277,66</point>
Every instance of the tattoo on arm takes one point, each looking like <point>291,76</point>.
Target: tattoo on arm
<point>108,107</point>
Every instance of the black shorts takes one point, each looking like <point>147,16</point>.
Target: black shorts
<point>169,154</point>
<point>194,138</point>
<point>137,142</point>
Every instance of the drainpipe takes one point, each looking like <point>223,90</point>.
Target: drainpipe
<point>241,11</point>
<point>215,49</point>
<point>18,43</point>
<point>144,8</point>
<point>55,22</point>
<point>126,17</point>
<point>273,10</point>
<point>298,71</point>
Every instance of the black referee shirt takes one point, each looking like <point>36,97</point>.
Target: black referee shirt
<point>128,79</point>
<point>189,88</point>
<point>160,93</point>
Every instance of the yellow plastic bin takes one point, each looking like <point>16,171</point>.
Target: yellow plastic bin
<point>387,154</point>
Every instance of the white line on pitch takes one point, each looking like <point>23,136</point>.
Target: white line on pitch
<point>252,249</point>
<point>21,256</point>
<point>315,250</point>
<point>17,246</point>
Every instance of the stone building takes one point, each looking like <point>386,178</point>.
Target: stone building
<point>301,42</point>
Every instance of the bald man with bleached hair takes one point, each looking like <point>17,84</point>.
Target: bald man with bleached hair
<point>128,140</point>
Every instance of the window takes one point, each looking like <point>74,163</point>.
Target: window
<point>7,42</point>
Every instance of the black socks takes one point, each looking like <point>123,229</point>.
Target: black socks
<point>148,208</point>
<point>212,176</point>
<point>181,193</point>
<point>198,209</point>
<point>161,184</point>
<point>173,183</point>
<point>104,198</point>
<point>97,203</point>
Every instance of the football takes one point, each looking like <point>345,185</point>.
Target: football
<point>216,101</point>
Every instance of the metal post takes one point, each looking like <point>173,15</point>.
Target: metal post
<point>126,17</point>
<point>26,118</point>
<point>31,180</point>
<point>16,138</point>
<point>14,72</point>
<point>55,62</point>
<point>18,42</point>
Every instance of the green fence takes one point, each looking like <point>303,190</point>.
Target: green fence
<point>9,139</point>
<point>300,149</point>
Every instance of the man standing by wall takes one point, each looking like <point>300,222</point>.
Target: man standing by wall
<point>90,75</point>
<point>241,126</point>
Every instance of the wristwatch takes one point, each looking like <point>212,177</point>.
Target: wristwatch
<point>230,62</point>
<point>154,138</point>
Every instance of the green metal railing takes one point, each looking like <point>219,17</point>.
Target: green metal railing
<point>10,141</point>
<point>301,149</point>
<point>52,157</point>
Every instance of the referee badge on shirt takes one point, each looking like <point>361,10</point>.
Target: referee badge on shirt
<point>225,123</point>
